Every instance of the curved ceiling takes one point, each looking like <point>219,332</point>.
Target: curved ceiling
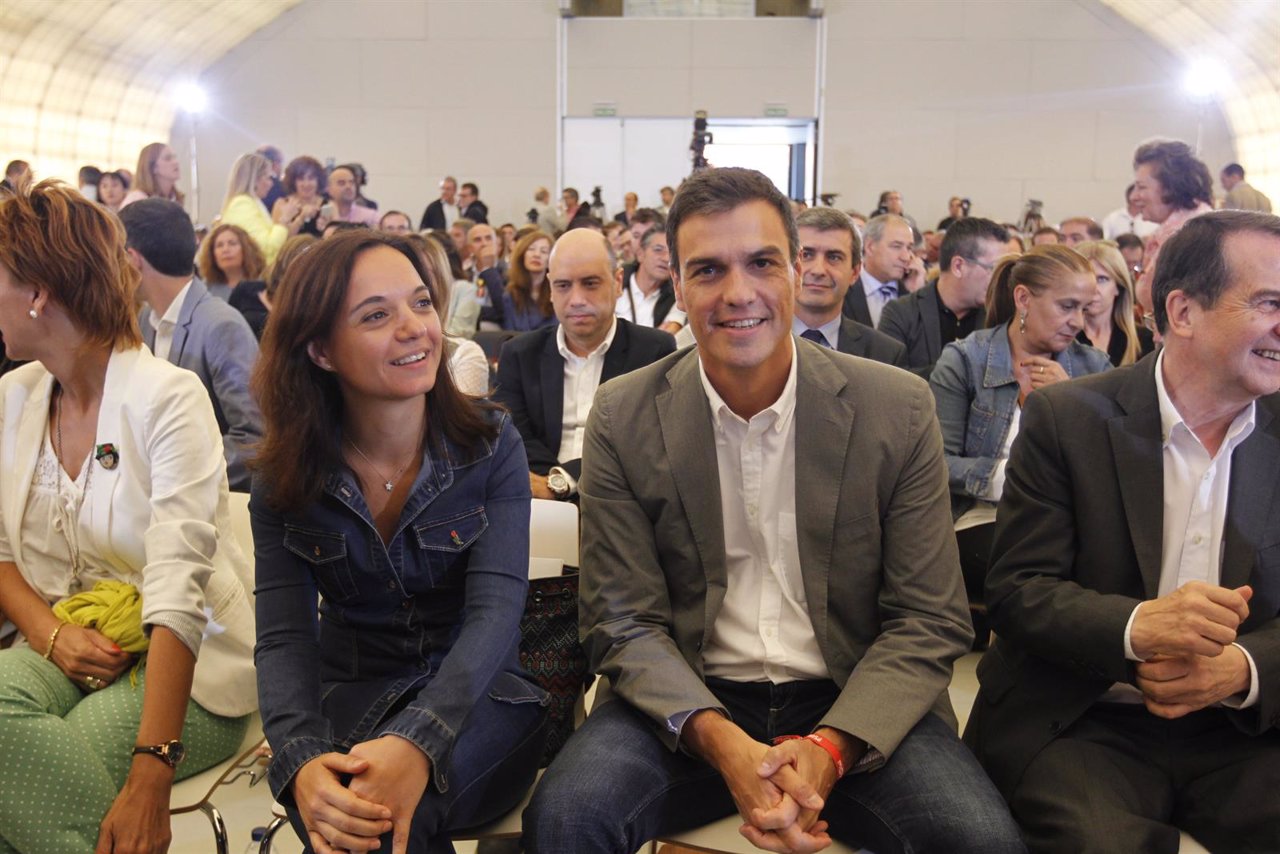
<point>91,81</point>
<point>1244,36</point>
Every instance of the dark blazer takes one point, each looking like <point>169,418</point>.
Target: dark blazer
<point>214,341</point>
<point>433,216</point>
<point>1077,547</point>
<point>877,552</point>
<point>858,339</point>
<point>666,297</point>
<point>477,212</point>
<point>913,320</point>
<point>855,304</point>
<point>530,384</point>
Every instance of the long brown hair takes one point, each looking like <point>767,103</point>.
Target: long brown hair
<point>520,281</point>
<point>144,178</point>
<point>252,259</point>
<point>302,405</point>
<point>1038,269</point>
<point>55,238</point>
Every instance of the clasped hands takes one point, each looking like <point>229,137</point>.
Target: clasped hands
<point>780,790</point>
<point>1185,639</point>
<point>388,777</point>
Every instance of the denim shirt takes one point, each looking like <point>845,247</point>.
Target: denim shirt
<point>976,394</point>
<point>408,637</point>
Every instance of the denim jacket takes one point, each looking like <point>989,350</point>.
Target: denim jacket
<point>408,637</point>
<point>976,394</point>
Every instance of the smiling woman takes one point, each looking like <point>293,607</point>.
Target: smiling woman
<point>404,505</point>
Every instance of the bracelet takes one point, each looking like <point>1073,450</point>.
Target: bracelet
<point>825,743</point>
<point>53,638</point>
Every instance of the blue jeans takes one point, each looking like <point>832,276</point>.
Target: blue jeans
<point>615,786</point>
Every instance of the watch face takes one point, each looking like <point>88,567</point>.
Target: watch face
<point>557,483</point>
<point>177,752</point>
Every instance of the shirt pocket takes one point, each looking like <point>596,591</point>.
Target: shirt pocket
<point>326,553</point>
<point>443,541</point>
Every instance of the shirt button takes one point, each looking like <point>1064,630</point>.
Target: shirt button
<point>404,606</point>
<point>1197,539</point>
<point>391,585</point>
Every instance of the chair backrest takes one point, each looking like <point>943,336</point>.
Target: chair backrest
<point>553,534</point>
<point>241,529</point>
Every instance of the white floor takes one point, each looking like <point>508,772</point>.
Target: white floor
<point>244,807</point>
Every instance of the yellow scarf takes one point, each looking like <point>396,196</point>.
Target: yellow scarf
<point>113,608</point>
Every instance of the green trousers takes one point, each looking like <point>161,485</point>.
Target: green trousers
<point>65,754</point>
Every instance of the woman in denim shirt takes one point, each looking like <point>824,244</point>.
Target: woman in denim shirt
<point>1035,310</point>
<point>399,712</point>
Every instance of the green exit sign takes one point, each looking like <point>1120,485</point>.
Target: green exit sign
<point>775,111</point>
<point>603,110</point>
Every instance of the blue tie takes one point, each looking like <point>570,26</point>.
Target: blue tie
<point>888,292</point>
<point>816,337</point>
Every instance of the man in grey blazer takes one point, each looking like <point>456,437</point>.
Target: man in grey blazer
<point>186,325</point>
<point>1134,686</point>
<point>947,310</point>
<point>830,254</point>
<point>767,560</point>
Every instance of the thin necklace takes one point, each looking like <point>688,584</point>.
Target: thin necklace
<point>76,565</point>
<point>389,483</point>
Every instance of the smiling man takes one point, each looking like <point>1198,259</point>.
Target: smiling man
<point>548,378</point>
<point>769,579</point>
<point>1134,686</point>
<point>829,253</point>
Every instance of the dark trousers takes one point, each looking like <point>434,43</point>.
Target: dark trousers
<point>975,558</point>
<point>615,786</point>
<point>1123,780</point>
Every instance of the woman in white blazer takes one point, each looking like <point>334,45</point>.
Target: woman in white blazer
<point>111,470</point>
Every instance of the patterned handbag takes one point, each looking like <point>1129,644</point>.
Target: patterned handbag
<point>550,652</point>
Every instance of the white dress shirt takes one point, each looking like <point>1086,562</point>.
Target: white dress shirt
<point>876,298</point>
<point>1196,489</point>
<point>763,631</point>
<point>451,213</point>
<point>830,330</point>
<point>164,326</point>
<point>581,379</point>
<point>633,305</point>
<point>1120,221</point>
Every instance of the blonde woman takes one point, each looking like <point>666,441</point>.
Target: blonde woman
<point>1108,318</point>
<point>251,180</point>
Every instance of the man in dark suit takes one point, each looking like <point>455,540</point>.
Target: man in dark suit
<point>470,205</point>
<point>193,329</point>
<point>887,259</point>
<point>443,211</point>
<point>767,560</point>
<point>952,307</point>
<point>1134,688</point>
<point>829,253</point>
<point>548,378</point>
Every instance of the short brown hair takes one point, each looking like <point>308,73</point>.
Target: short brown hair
<point>299,167</point>
<point>255,263</point>
<point>302,404</point>
<point>56,239</point>
<point>1184,178</point>
<point>721,190</point>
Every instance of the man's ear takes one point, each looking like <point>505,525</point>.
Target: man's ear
<point>315,350</point>
<point>135,258</point>
<point>679,289</point>
<point>617,282</point>
<point>1181,311</point>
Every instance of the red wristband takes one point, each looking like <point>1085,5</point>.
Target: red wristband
<point>825,743</point>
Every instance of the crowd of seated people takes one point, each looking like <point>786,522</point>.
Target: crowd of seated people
<point>818,457</point>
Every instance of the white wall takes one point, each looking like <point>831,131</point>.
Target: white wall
<point>998,100</point>
<point>410,88</point>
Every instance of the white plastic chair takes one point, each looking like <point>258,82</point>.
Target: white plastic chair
<point>553,536</point>
<point>196,793</point>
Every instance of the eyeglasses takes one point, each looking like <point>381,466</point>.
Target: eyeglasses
<point>988,267</point>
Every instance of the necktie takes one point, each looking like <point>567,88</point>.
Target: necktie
<point>816,337</point>
<point>888,292</point>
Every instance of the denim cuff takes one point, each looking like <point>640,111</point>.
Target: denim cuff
<point>431,735</point>
<point>289,759</point>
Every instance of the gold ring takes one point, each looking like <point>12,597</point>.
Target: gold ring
<point>1039,369</point>
<point>94,682</point>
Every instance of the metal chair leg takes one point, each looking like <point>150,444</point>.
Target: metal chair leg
<point>264,847</point>
<point>219,826</point>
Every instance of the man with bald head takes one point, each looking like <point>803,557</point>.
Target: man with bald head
<point>342,190</point>
<point>548,378</point>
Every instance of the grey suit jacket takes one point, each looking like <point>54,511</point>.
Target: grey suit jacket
<point>858,339</point>
<point>1078,546</point>
<point>214,341</point>
<point>913,320</point>
<point>878,556</point>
